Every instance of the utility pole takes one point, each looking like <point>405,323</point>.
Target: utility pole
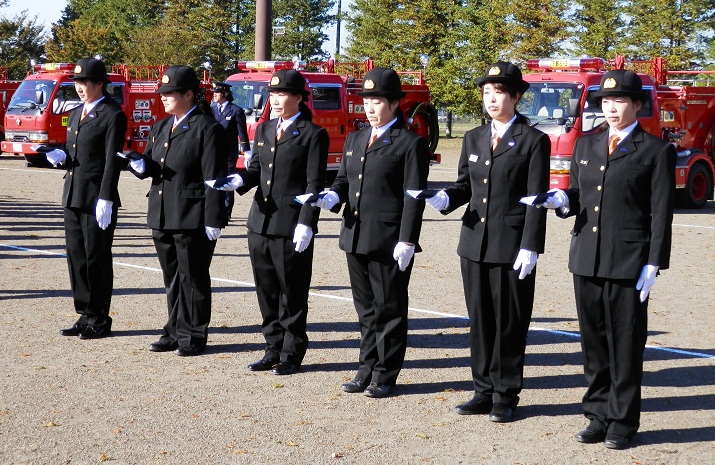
<point>264,29</point>
<point>337,30</point>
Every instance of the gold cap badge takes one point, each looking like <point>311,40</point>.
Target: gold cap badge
<point>494,71</point>
<point>369,85</point>
<point>275,80</point>
<point>609,83</point>
<point>165,79</point>
<point>77,69</point>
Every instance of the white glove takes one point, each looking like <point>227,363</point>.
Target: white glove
<point>138,165</point>
<point>103,212</point>
<point>212,233</point>
<point>403,254</point>
<point>329,200</point>
<point>56,156</point>
<point>646,280</point>
<point>235,182</point>
<point>302,236</point>
<point>439,201</point>
<point>558,200</point>
<point>247,158</point>
<point>526,260</point>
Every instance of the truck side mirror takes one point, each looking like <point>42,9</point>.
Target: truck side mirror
<point>247,111</point>
<point>39,97</point>
<point>573,107</point>
<point>257,101</point>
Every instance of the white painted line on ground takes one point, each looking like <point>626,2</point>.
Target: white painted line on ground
<point>348,299</point>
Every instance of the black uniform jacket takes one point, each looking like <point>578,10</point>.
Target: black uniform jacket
<point>179,162</point>
<point>372,182</point>
<point>292,166</point>
<point>92,167</point>
<point>233,120</point>
<point>495,224</point>
<point>623,205</point>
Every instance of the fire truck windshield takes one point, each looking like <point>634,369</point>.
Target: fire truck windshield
<point>250,95</point>
<point>545,103</point>
<point>31,97</point>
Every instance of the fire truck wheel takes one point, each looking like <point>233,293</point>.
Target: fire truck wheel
<point>425,124</point>
<point>699,188</point>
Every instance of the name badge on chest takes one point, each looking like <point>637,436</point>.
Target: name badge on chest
<point>473,158</point>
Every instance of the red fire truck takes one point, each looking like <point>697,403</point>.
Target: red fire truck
<point>39,109</point>
<point>559,103</point>
<point>333,101</point>
<point>7,89</point>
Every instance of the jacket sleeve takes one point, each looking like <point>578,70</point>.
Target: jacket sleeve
<point>415,177</point>
<point>662,204</point>
<point>315,175</point>
<point>113,143</point>
<point>461,191</point>
<point>534,235</point>
<point>213,165</point>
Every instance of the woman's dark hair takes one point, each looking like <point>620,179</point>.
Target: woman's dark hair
<point>199,99</point>
<point>305,112</point>
<point>227,94</point>
<point>513,92</point>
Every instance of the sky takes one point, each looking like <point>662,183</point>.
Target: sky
<point>50,11</point>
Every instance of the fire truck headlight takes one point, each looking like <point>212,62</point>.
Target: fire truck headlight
<point>560,165</point>
<point>38,136</point>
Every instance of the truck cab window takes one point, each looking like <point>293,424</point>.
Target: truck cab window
<point>326,98</point>
<point>66,99</point>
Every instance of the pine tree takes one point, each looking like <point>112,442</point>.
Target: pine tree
<point>304,22</point>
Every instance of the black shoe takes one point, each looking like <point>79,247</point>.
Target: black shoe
<point>74,330</point>
<point>501,413</point>
<point>355,385</point>
<point>614,441</point>
<point>590,436</point>
<point>378,390</point>
<point>285,368</point>
<point>163,347</point>
<point>477,405</point>
<point>263,364</point>
<point>92,332</point>
<point>188,351</point>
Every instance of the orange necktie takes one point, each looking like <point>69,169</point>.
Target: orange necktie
<point>496,142</point>
<point>612,143</point>
<point>373,138</point>
<point>279,132</point>
<point>84,113</point>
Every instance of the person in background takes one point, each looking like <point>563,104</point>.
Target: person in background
<point>500,240</point>
<point>621,192</point>
<point>290,156</point>
<point>233,120</point>
<point>95,132</point>
<point>186,217</point>
<point>381,228</point>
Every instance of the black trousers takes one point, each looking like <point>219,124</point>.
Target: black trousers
<point>89,259</point>
<point>614,328</point>
<point>499,306</point>
<point>380,294</point>
<point>185,257</point>
<point>230,194</point>
<point>282,278</point>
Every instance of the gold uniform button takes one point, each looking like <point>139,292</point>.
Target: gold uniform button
<point>270,165</point>
<point>162,160</point>
<point>603,168</point>
<point>359,176</point>
<point>265,199</point>
<point>595,209</point>
<point>357,194</point>
<point>76,132</point>
<point>486,162</point>
<point>71,173</point>
<point>166,144</point>
<point>599,188</point>
<point>485,180</point>
<point>273,149</point>
<point>355,213</point>
<point>159,192</point>
<point>362,158</point>
<point>483,220</point>
<point>594,229</point>
<point>484,200</point>
<point>74,145</point>
<point>268,182</point>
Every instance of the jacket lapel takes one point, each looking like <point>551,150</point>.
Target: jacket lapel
<point>184,125</point>
<point>509,140</point>
<point>293,130</point>
<point>628,145</point>
<point>600,148</point>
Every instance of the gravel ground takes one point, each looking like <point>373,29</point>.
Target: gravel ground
<point>68,401</point>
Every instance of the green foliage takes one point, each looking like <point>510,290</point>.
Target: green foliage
<point>598,26</point>
<point>21,39</point>
<point>304,22</point>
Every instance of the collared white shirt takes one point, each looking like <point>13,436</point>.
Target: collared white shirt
<point>88,107</point>
<point>379,131</point>
<point>498,128</point>
<point>177,121</point>
<point>623,133</point>
<point>285,122</point>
